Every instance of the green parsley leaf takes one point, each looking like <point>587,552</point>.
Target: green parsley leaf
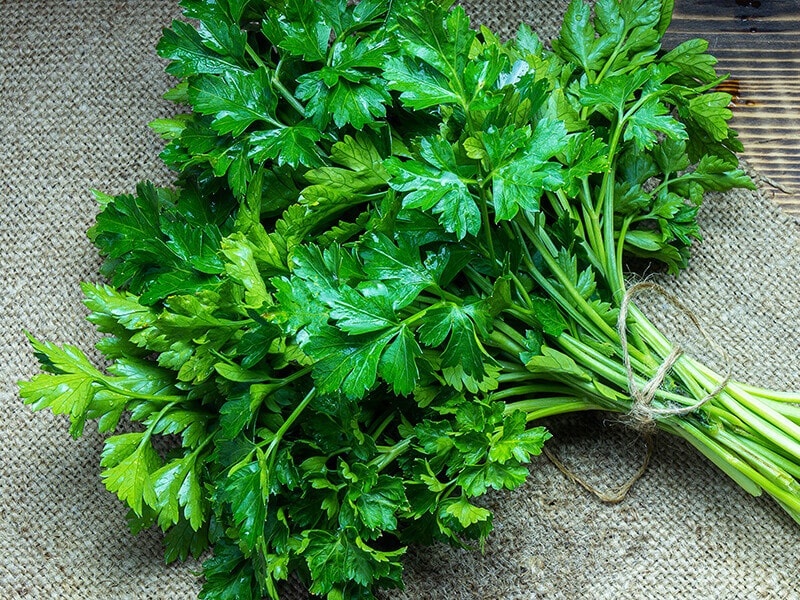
<point>236,100</point>
<point>190,54</point>
<point>130,461</point>
<point>437,185</point>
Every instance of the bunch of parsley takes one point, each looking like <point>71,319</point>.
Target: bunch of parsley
<point>395,243</point>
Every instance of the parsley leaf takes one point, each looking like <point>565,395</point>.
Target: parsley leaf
<point>437,184</point>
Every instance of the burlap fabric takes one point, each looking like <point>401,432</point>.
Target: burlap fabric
<point>79,80</point>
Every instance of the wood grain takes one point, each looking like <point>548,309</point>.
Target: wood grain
<point>758,43</point>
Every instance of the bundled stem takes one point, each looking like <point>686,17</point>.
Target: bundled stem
<point>751,433</point>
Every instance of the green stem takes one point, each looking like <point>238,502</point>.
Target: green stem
<point>533,388</point>
<point>700,380</point>
<point>537,408</point>
<point>295,376</point>
<point>384,460</point>
<point>634,332</point>
<point>560,202</point>
<point>566,284</point>
<point>277,437</point>
<point>292,418</point>
<point>289,97</point>
<point>510,332</point>
<point>561,409</point>
<point>613,273</point>
<point>621,246</point>
<point>516,377</point>
<point>502,341</point>
<point>413,318</point>
<point>620,44</point>
<point>152,427</point>
<point>255,57</point>
<point>592,223</point>
<point>730,463</point>
<point>522,291</point>
<point>766,422</point>
<point>758,416</point>
<point>276,83</point>
<point>775,395</point>
<point>612,370</point>
<point>487,226</point>
<point>766,462</point>
<point>106,383</point>
<point>790,411</point>
<point>196,452</point>
<point>375,434</point>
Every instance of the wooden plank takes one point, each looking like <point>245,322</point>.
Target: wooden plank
<point>758,43</point>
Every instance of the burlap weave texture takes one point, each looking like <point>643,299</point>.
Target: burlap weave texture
<point>79,80</point>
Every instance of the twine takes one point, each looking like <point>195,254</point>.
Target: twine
<point>643,415</point>
<point>612,497</point>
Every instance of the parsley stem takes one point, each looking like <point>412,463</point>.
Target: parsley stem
<point>567,286</point>
<point>449,297</point>
<point>154,423</point>
<point>272,443</point>
<point>610,369</point>
<point>737,468</point>
<point>291,419</point>
<point>634,333</point>
<point>537,409</point>
<point>592,222</point>
<point>283,91</point>
<point>521,290</point>
<point>773,457</point>
<point>790,411</point>
<point>295,376</point>
<point>516,376</point>
<point>289,97</point>
<point>518,233</point>
<point>556,206</point>
<point>496,338</point>
<point>613,274</point>
<point>512,333</point>
<point>776,396</point>
<point>137,396</point>
<point>759,417</point>
<point>478,280</point>
<point>383,425</point>
<point>419,314</point>
<point>621,245</point>
<point>756,456</point>
<point>620,44</point>
<point>531,388</point>
<point>199,448</point>
<point>554,294</point>
<point>487,226</point>
<point>384,460</point>
<point>273,446</point>
<point>256,58</point>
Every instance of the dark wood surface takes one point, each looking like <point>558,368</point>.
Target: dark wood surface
<point>758,43</point>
